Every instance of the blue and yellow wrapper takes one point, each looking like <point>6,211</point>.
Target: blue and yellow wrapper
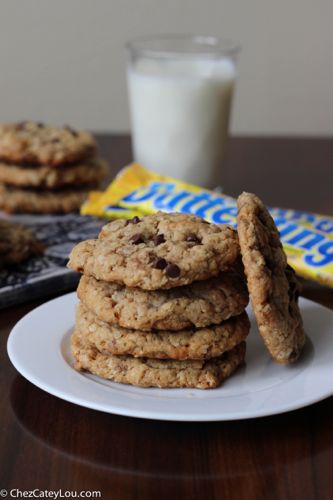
<point>307,238</point>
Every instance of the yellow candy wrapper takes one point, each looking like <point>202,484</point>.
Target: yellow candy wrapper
<point>307,238</point>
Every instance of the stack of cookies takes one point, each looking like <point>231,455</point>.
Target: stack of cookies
<point>46,169</point>
<point>161,304</point>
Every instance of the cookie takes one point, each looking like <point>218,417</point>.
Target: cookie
<point>199,304</point>
<point>145,372</point>
<point>163,250</point>
<point>272,283</point>
<point>200,343</point>
<point>14,200</point>
<point>46,176</point>
<point>17,243</point>
<point>39,144</point>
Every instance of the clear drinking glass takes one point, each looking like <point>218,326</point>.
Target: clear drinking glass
<point>180,91</point>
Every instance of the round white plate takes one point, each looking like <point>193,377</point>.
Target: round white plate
<point>38,347</point>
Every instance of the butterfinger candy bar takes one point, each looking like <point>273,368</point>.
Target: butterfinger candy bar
<point>307,238</point>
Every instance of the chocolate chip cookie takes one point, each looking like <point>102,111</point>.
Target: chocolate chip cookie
<point>17,244</point>
<point>272,283</point>
<point>159,251</point>
<point>196,305</point>
<point>145,372</point>
<point>200,343</point>
<point>48,177</point>
<point>40,144</point>
<point>14,200</point>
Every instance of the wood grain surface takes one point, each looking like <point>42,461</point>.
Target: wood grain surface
<point>46,443</point>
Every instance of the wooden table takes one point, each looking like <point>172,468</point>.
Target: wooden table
<point>46,443</point>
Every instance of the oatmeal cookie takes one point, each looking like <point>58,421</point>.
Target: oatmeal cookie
<point>15,200</point>
<point>163,250</point>
<point>46,176</point>
<point>145,372</point>
<point>272,283</point>
<point>17,243</point>
<point>199,304</point>
<point>40,144</point>
<point>200,343</point>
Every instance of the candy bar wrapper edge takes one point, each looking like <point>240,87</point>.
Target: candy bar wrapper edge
<point>307,238</point>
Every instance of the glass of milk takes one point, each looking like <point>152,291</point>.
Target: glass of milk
<point>180,91</point>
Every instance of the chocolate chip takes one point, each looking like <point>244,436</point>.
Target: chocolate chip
<point>172,270</point>
<point>293,355</point>
<point>289,271</point>
<point>159,263</point>
<point>293,291</point>
<point>136,239</point>
<point>270,264</point>
<point>262,218</point>
<point>135,220</point>
<point>193,238</point>
<point>55,140</point>
<point>71,131</point>
<point>40,125</point>
<point>158,239</point>
<point>21,125</point>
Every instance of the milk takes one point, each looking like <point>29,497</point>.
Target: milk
<point>180,115</point>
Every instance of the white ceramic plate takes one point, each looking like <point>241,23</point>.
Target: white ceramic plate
<point>38,347</point>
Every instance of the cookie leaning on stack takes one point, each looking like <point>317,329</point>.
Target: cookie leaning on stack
<point>272,283</point>
<point>161,304</point>
<point>46,169</point>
